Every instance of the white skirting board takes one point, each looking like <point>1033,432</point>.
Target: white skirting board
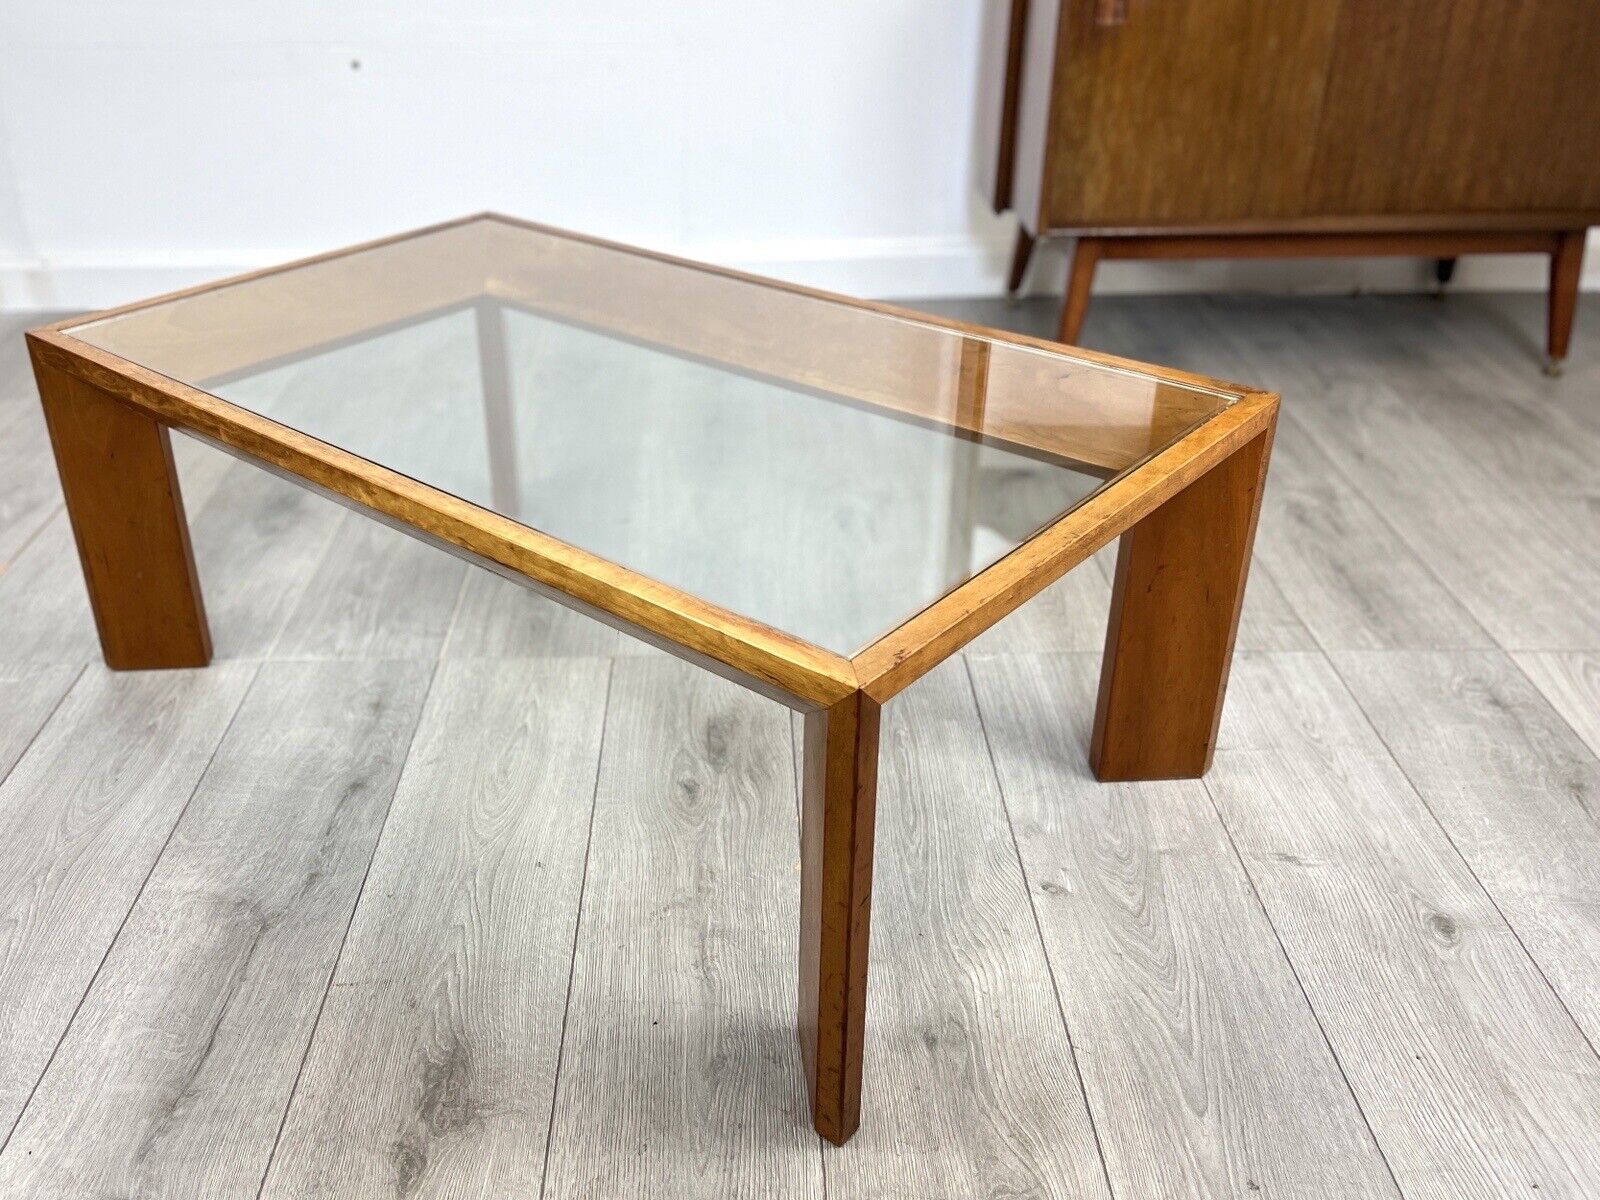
<point>931,267</point>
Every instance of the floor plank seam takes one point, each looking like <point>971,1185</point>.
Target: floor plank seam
<point>291,607</point>
<point>31,538</point>
<point>455,615</point>
<point>1381,516</point>
<point>797,781</point>
<point>1353,551</point>
<point>1038,928</point>
<point>1311,1008</point>
<point>333,971</point>
<point>50,716</point>
<point>1560,712</point>
<point>1465,862</point>
<point>1332,467</point>
<point>577,929</point>
<point>111,942</point>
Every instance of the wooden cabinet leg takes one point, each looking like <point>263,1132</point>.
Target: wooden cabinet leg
<point>836,826</point>
<point>1075,307</point>
<point>1021,254</point>
<point>1566,266</point>
<point>1174,610</point>
<point>122,497</point>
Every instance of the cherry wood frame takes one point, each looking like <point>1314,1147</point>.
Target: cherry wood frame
<point>1189,513</point>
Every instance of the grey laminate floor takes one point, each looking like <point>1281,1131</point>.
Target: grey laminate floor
<point>430,888</point>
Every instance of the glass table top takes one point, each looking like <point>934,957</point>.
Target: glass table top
<point>822,467</point>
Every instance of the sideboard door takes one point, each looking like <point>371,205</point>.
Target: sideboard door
<point>1185,112</point>
<point>1469,106</point>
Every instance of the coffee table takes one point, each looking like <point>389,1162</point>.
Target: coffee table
<point>817,497</point>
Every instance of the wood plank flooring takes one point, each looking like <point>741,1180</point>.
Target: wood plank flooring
<point>429,887</point>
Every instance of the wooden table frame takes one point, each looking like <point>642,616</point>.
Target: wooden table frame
<point>1186,516</point>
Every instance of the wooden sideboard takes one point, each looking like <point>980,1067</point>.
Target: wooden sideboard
<point>1256,128</point>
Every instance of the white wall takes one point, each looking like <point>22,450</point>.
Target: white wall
<point>147,144</point>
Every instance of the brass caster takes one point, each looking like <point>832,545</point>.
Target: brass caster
<point>1553,367</point>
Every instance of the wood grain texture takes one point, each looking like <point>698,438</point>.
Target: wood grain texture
<point>1086,255</point>
<point>498,619</point>
<point>445,1014</point>
<point>1539,435</point>
<point>1570,682</point>
<point>29,491</point>
<point>1246,128</point>
<point>1070,614</point>
<point>1522,438</point>
<point>1505,135</point>
<point>1566,274</point>
<point>255,538</point>
<point>1323,542</point>
<point>241,322</point>
<point>680,1037</point>
<point>1004,39</point>
<point>375,594</point>
<point>1205,1067</point>
<point>1494,429</point>
<point>1267,621</point>
<point>1220,134</point>
<point>838,814</point>
<point>1411,243</point>
<point>1175,607</point>
<point>1564,248</point>
<point>904,655</point>
<point>1516,790</point>
<point>764,657</point>
<point>1090,409</point>
<point>28,695</point>
<point>1352,581</point>
<point>1039,396</point>
<point>1506,556</point>
<point>46,605</point>
<point>1503,551</point>
<point>971,1085</point>
<point>259,543</point>
<point>122,493</point>
<point>179,1064</point>
<point>1161,331</point>
<point>84,815</point>
<point>1473,1077</point>
<point>1247,116</point>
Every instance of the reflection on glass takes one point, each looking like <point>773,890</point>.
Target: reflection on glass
<point>823,469</point>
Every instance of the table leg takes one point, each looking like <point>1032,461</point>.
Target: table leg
<point>1174,610</point>
<point>838,807</point>
<point>122,497</point>
<point>1566,270</point>
<point>1086,255</point>
<point>500,425</point>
